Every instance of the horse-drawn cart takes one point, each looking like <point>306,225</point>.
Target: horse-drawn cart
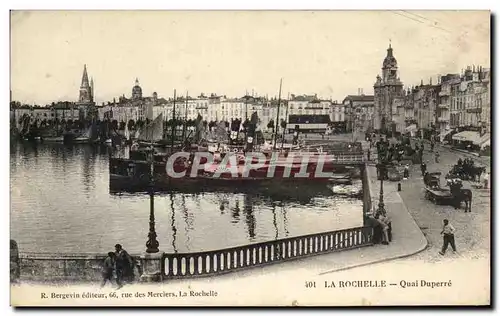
<point>438,195</point>
<point>432,179</point>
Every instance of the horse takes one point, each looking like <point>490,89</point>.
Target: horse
<point>476,173</point>
<point>462,195</point>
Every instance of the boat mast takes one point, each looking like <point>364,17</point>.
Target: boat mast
<point>277,116</point>
<point>185,117</point>
<point>173,125</point>
<point>286,120</point>
<point>246,105</point>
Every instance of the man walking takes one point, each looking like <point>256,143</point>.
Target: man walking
<point>423,168</point>
<point>448,233</point>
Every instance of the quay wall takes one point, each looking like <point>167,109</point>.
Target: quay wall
<point>43,267</point>
<point>63,267</point>
<point>368,194</point>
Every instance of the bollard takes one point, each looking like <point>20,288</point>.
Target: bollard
<point>399,186</point>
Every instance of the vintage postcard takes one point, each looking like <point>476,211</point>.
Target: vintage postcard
<point>250,158</point>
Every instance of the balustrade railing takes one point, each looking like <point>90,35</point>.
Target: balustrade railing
<point>180,265</point>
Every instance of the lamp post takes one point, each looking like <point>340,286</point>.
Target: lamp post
<point>382,172</point>
<point>152,244</point>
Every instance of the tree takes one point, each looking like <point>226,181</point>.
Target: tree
<point>270,125</point>
<point>283,124</point>
<point>211,124</point>
<point>254,118</point>
<point>131,124</point>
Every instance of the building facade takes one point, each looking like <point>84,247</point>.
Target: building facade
<point>359,112</point>
<point>386,88</point>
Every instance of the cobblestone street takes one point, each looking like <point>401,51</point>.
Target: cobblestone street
<point>473,229</point>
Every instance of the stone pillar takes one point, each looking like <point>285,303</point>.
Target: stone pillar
<point>15,267</point>
<point>152,267</point>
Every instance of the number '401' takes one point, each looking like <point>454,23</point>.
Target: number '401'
<point>310,284</point>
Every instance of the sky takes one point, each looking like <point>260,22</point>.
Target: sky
<point>328,53</point>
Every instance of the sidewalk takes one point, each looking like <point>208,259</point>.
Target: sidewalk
<point>408,239</point>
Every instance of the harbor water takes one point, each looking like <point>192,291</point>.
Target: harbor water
<point>60,203</point>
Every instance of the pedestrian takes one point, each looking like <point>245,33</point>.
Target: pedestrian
<point>423,168</point>
<point>108,268</point>
<point>369,153</point>
<point>387,220</point>
<point>436,156</point>
<point>385,228</point>
<point>486,179</point>
<point>448,233</point>
<point>124,266</point>
<point>406,172</point>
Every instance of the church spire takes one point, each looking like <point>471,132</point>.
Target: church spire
<point>389,50</point>
<point>85,77</point>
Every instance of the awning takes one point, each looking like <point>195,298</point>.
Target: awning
<point>411,128</point>
<point>468,136</point>
<point>486,137</point>
<point>486,143</point>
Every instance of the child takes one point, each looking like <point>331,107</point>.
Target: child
<point>108,267</point>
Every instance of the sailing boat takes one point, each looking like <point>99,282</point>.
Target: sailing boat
<point>53,135</point>
<point>84,137</point>
<point>152,133</point>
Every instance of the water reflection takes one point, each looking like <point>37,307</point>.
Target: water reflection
<point>235,212</point>
<point>275,222</point>
<point>60,202</point>
<point>172,223</point>
<point>249,217</point>
<point>285,220</point>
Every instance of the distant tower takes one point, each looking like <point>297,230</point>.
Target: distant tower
<point>155,98</point>
<point>85,89</point>
<point>92,89</point>
<point>136,91</point>
<point>386,89</point>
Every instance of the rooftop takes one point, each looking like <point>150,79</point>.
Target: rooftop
<point>360,98</point>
